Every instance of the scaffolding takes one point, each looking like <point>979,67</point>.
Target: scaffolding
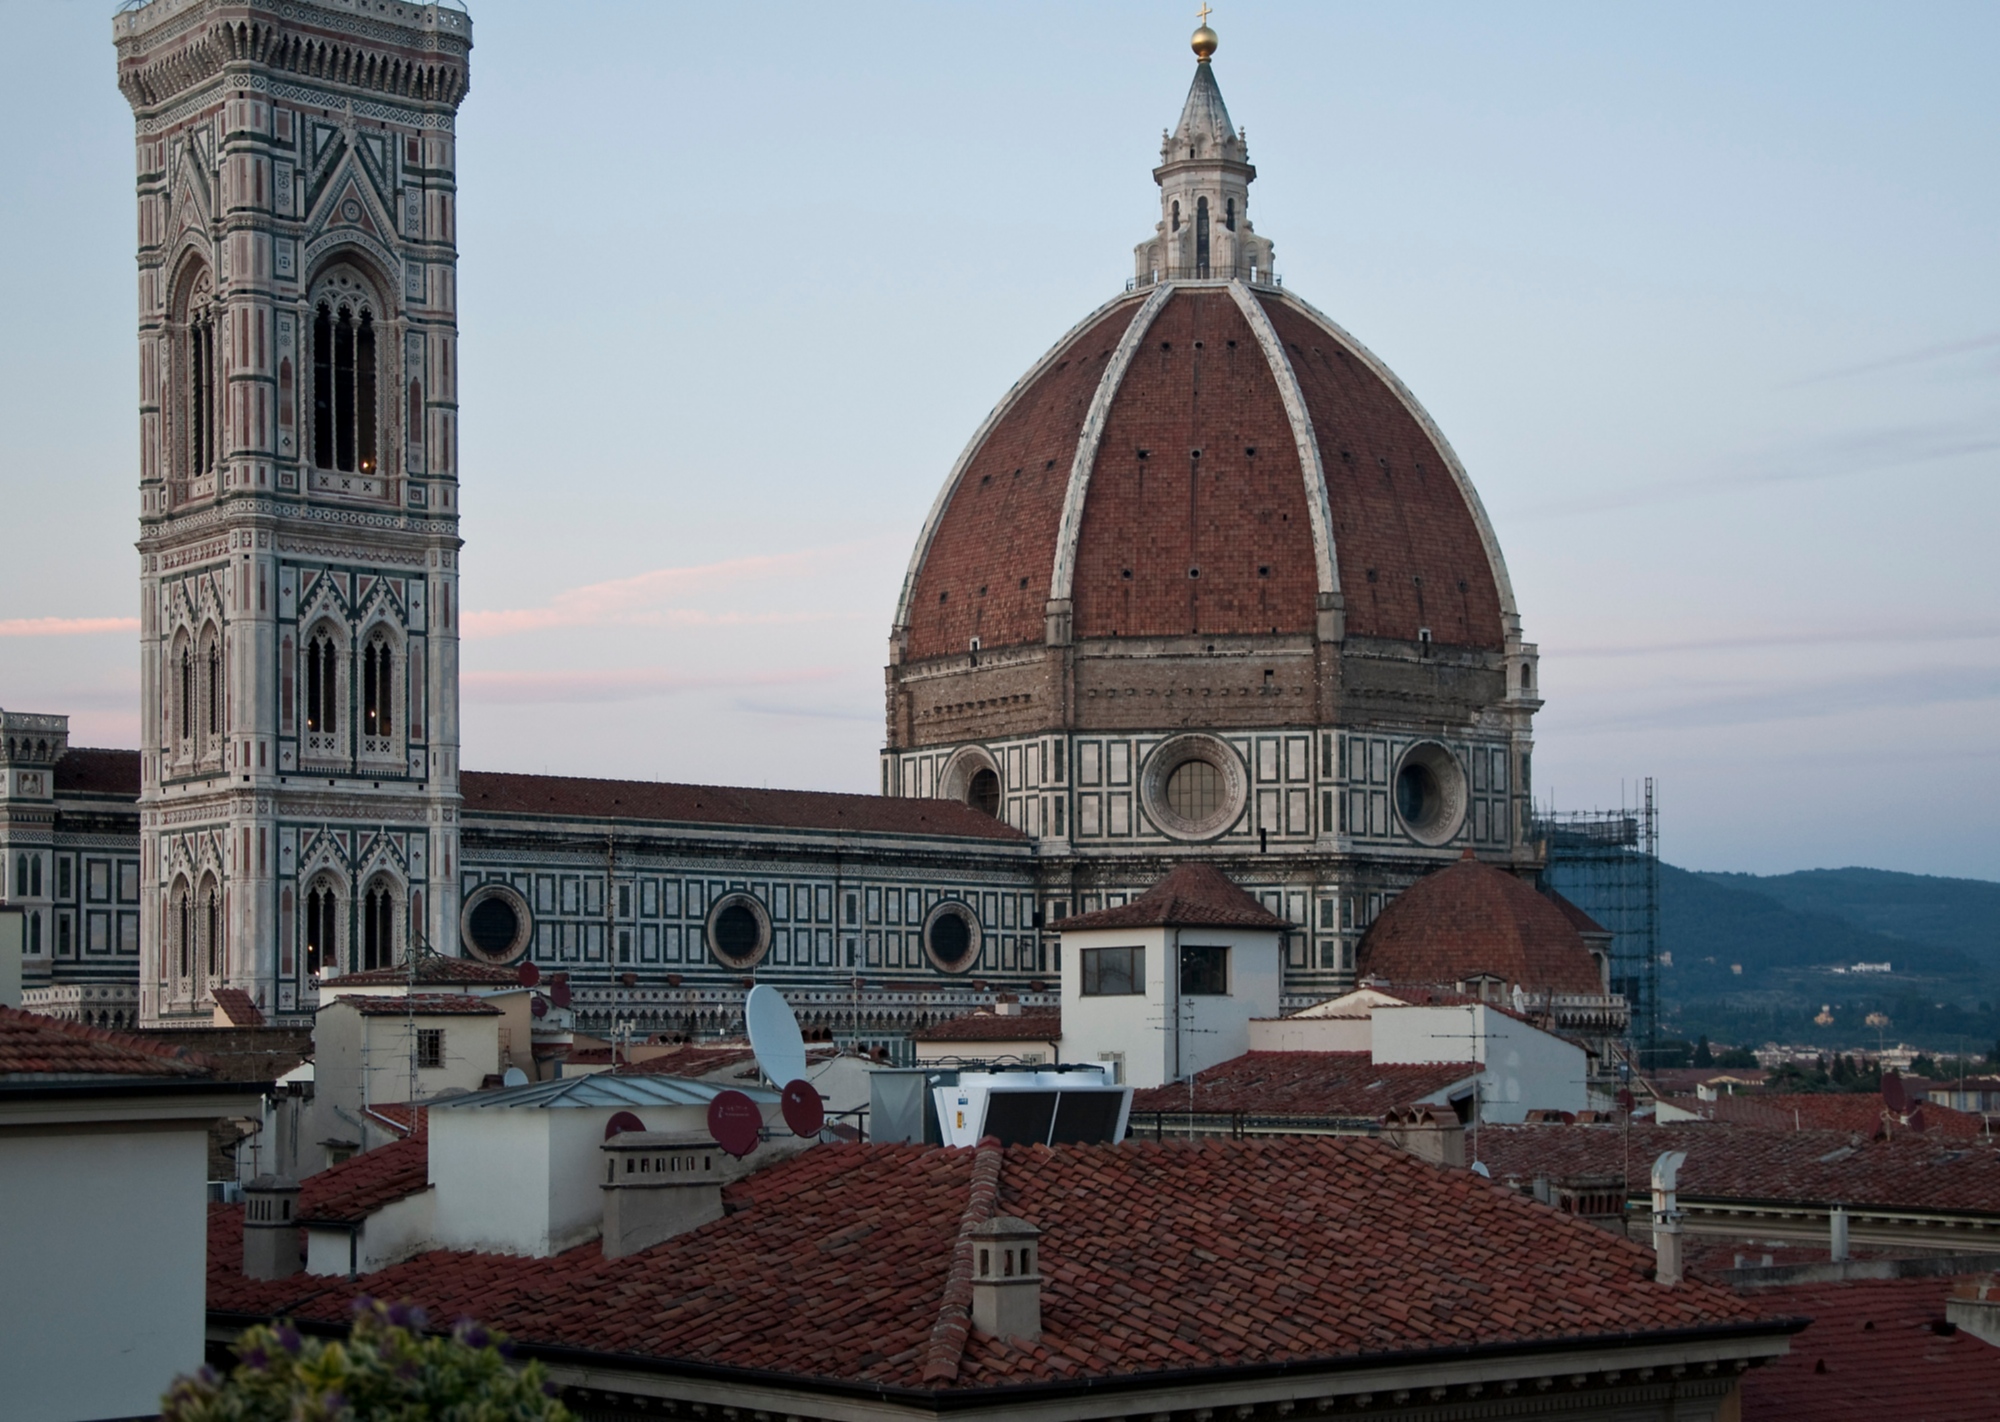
<point>1607,863</point>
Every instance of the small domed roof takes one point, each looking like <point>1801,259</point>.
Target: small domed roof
<point>1473,919</point>
<point>1206,458</point>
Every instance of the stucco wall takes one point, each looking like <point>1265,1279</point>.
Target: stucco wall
<point>1142,1028</point>
<point>103,1249</point>
<point>1527,1069</point>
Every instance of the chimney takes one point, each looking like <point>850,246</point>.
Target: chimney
<point>1006,1281</point>
<point>271,1228</point>
<point>1667,1218</point>
<point>1006,1005</point>
<point>658,1184</point>
<point>1432,1133</point>
<point>1974,1305</point>
<point>1836,1233</point>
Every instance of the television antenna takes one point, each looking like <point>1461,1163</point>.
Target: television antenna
<point>780,1049</point>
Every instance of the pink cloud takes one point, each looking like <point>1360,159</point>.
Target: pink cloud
<point>65,626</point>
<point>527,688</point>
<point>634,601</point>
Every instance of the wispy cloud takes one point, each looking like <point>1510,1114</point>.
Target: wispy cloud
<point>637,601</point>
<point>1844,636</point>
<point>1926,356</point>
<point>1744,706</point>
<point>1862,453</point>
<point>818,711</point>
<point>65,626</point>
<point>529,688</point>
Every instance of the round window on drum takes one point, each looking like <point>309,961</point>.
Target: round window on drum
<point>495,924</point>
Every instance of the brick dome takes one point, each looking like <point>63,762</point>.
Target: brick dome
<point>1209,458</point>
<point>1472,919</point>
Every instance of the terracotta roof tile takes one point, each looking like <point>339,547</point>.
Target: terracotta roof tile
<point>840,1264</point>
<point>1472,918</point>
<point>1346,1084</point>
<point>423,1004</point>
<point>497,793</point>
<point>1727,1162</point>
<point>983,1026</point>
<point>85,770</point>
<point>362,1184</point>
<point>1837,1111</point>
<point>1194,895</point>
<point>431,970</point>
<point>237,1006</point>
<point>1876,1348</point>
<point>33,1046</point>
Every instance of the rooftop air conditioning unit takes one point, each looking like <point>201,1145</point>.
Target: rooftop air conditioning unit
<point>1062,1105</point>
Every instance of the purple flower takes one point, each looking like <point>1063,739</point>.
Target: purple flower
<point>361,1305</point>
<point>472,1334</point>
<point>206,1375</point>
<point>255,1359</point>
<point>287,1336</point>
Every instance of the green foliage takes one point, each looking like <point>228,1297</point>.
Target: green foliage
<point>1736,1057</point>
<point>386,1370</point>
<point>1704,1056</point>
<point>1841,1074</point>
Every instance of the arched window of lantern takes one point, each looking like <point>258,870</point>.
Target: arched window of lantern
<point>198,406</point>
<point>1201,237</point>
<point>1229,213</point>
<point>348,350</point>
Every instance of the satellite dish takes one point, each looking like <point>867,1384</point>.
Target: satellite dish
<point>513,1076</point>
<point>1895,1095</point>
<point>622,1122</point>
<point>527,974</point>
<point>559,990</point>
<point>539,1006</point>
<point>774,1035</point>
<point>804,1112</point>
<point>735,1122</point>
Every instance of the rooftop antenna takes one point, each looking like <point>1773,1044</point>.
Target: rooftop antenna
<point>781,1055</point>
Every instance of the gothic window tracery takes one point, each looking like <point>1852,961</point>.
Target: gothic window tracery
<point>322,928</point>
<point>199,400</point>
<point>322,687</point>
<point>377,948</point>
<point>345,379</point>
<point>1201,237</point>
<point>378,679</point>
<point>180,951</point>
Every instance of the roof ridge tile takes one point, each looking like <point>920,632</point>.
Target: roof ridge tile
<point>954,1320</point>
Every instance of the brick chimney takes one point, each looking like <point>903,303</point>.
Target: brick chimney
<point>1006,1280</point>
<point>271,1228</point>
<point>658,1184</point>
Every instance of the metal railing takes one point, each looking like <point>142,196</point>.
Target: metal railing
<point>1247,273</point>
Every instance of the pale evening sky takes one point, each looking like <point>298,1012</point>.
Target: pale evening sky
<point>1704,296</point>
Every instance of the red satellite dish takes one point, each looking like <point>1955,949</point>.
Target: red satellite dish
<point>804,1112</point>
<point>1895,1095</point>
<point>539,1005</point>
<point>1625,1100</point>
<point>528,974</point>
<point>735,1122</point>
<point>559,991</point>
<point>622,1122</point>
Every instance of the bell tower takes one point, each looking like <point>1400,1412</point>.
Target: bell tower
<point>298,491</point>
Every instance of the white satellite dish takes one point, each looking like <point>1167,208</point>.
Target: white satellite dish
<point>513,1076</point>
<point>774,1035</point>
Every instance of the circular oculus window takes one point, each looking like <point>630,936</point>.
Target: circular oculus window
<point>1430,793</point>
<point>1193,787</point>
<point>738,930</point>
<point>952,937</point>
<point>495,924</point>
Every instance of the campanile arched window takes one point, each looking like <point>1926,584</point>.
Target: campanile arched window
<point>322,684</point>
<point>346,416</point>
<point>378,928</point>
<point>321,928</point>
<point>378,677</point>
<point>198,368</point>
<point>1201,237</point>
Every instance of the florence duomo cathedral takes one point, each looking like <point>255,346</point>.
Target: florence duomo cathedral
<point>1208,583</point>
